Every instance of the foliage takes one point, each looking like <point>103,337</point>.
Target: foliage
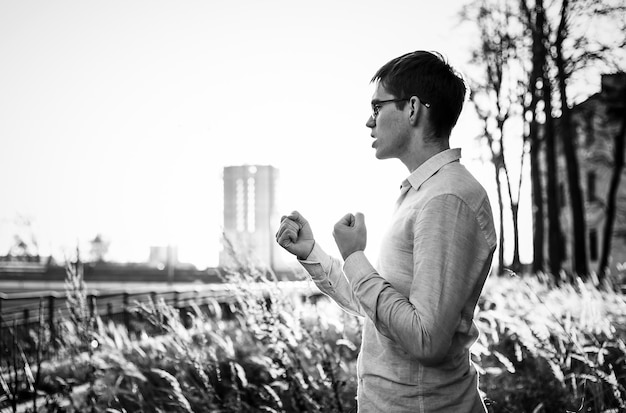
<point>541,349</point>
<point>266,350</point>
<point>546,349</point>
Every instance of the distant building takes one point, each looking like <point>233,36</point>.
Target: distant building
<point>163,256</point>
<point>99,248</point>
<point>24,264</point>
<point>251,216</point>
<point>595,129</point>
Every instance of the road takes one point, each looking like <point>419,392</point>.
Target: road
<point>13,287</point>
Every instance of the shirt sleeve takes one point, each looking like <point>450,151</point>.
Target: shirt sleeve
<point>329,277</point>
<point>450,257</point>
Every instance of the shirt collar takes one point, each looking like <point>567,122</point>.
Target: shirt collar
<point>431,166</point>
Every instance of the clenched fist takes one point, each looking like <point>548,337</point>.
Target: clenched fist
<point>350,234</point>
<point>295,235</point>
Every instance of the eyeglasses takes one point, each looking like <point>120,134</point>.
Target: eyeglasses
<point>377,105</point>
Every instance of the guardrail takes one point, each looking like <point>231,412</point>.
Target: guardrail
<point>21,311</point>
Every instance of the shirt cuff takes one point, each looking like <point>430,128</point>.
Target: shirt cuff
<point>318,263</point>
<point>357,266</point>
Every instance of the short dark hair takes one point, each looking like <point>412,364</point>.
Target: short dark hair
<point>428,76</point>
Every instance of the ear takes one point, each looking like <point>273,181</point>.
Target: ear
<point>415,109</point>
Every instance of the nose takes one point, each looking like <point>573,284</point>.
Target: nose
<point>370,122</point>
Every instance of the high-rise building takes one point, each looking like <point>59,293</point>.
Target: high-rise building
<point>251,216</point>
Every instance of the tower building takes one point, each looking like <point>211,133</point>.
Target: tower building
<point>251,217</point>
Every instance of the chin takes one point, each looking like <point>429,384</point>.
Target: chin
<point>380,155</point>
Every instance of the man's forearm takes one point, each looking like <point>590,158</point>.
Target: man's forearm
<point>328,275</point>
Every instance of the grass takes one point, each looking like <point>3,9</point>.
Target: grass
<point>541,349</point>
<point>547,349</point>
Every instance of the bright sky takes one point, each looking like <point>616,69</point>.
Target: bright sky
<point>117,117</point>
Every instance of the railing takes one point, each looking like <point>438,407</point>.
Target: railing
<point>24,310</point>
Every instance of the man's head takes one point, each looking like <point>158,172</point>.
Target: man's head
<point>429,77</point>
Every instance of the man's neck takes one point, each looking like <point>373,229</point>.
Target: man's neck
<point>424,152</point>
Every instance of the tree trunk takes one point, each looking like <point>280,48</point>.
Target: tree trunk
<point>517,264</point>
<point>537,198</point>
<point>514,206</point>
<point>555,252</point>
<point>579,244</point>
<point>618,166</point>
<point>500,268</point>
<point>535,27</point>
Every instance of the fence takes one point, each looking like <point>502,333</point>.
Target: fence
<point>21,311</point>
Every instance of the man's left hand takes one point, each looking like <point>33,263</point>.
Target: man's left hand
<point>350,234</point>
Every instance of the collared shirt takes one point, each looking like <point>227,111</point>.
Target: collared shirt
<point>419,301</point>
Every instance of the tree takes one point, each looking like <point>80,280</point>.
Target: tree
<point>554,47</point>
<point>574,50</point>
<point>497,161</point>
<point>542,94</point>
<point>555,237</point>
<point>534,23</point>
<point>496,97</point>
<point>25,244</point>
<point>617,108</point>
<point>579,249</point>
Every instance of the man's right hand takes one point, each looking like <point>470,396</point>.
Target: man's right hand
<point>295,235</point>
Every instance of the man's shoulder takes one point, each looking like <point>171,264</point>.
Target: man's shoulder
<point>454,183</point>
<point>455,179</point>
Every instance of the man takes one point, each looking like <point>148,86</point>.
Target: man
<point>419,301</point>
